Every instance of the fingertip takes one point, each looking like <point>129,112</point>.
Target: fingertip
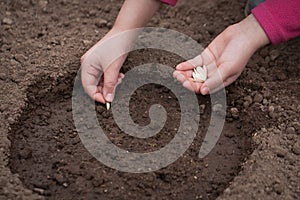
<point>121,75</point>
<point>99,98</point>
<point>204,90</point>
<point>178,67</point>
<point>175,74</point>
<point>185,66</point>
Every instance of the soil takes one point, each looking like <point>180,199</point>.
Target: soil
<point>41,154</point>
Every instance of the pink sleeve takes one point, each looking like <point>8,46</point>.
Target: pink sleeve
<point>170,2</point>
<point>280,19</point>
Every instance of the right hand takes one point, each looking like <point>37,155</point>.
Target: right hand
<point>100,70</point>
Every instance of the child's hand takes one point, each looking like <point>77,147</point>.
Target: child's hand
<point>101,64</point>
<point>100,70</point>
<point>225,57</point>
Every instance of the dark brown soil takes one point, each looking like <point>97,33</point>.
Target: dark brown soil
<point>256,157</point>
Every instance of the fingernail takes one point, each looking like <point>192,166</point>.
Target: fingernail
<point>175,74</point>
<point>205,90</point>
<point>109,97</point>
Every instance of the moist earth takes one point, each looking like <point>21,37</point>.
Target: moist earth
<point>42,156</point>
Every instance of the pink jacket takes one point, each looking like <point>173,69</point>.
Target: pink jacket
<point>280,19</point>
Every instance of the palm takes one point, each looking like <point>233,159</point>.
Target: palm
<point>225,59</point>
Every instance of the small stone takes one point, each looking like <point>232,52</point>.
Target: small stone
<point>291,130</point>
<point>274,54</point>
<point>266,93</point>
<point>296,148</point>
<point>280,152</point>
<point>229,134</point>
<point>7,21</point>
<point>265,101</point>
<point>276,131</point>
<point>39,191</point>
<point>107,8</point>
<point>234,112</point>
<point>296,125</point>
<point>59,178</point>
<point>202,108</point>
<point>262,70</point>
<point>246,104</point>
<point>188,20</point>
<point>101,23</point>
<point>278,188</point>
<point>264,52</point>
<point>248,99</point>
<point>3,76</point>
<point>271,109</point>
<point>86,42</point>
<point>20,58</point>
<point>281,76</point>
<point>10,120</point>
<point>258,98</point>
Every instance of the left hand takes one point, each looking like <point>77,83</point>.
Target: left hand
<point>225,57</point>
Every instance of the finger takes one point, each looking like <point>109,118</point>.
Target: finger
<point>187,65</point>
<point>214,82</point>
<point>187,74</point>
<point>111,76</point>
<point>90,77</point>
<point>99,98</point>
<point>191,85</point>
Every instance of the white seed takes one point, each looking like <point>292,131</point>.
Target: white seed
<point>107,105</point>
<point>200,74</point>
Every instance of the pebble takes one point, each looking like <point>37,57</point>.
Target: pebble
<point>266,93</point>
<point>258,98</point>
<point>296,125</point>
<point>264,52</point>
<point>234,113</point>
<point>11,120</point>
<point>271,110</point>
<point>280,152</point>
<point>281,76</point>
<point>101,23</point>
<point>291,130</point>
<point>248,99</point>
<point>277,131</point>
<point>59,178</point>
<point>188,20</point>
<point>7,21</point>
<point>274,54</point>
<point>20,58</point>
<point>246,104</point>
<point>229,134</point>
<point>107,9</point>
<point>278,188</point>
<point>296,148</point>
<point>39,191</point>
<point>202,108</point>
<point>262,70</point>
<point>86,42</point>
<point>3,76</point>
<point>265,101</point>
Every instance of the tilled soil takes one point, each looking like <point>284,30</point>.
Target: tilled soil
<point>256,157</point>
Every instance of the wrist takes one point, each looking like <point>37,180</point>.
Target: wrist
<point>254,32</point>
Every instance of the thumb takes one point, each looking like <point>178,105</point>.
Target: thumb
<point>214,82</point>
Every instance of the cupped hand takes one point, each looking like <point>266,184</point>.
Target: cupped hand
<point>225,57</point>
